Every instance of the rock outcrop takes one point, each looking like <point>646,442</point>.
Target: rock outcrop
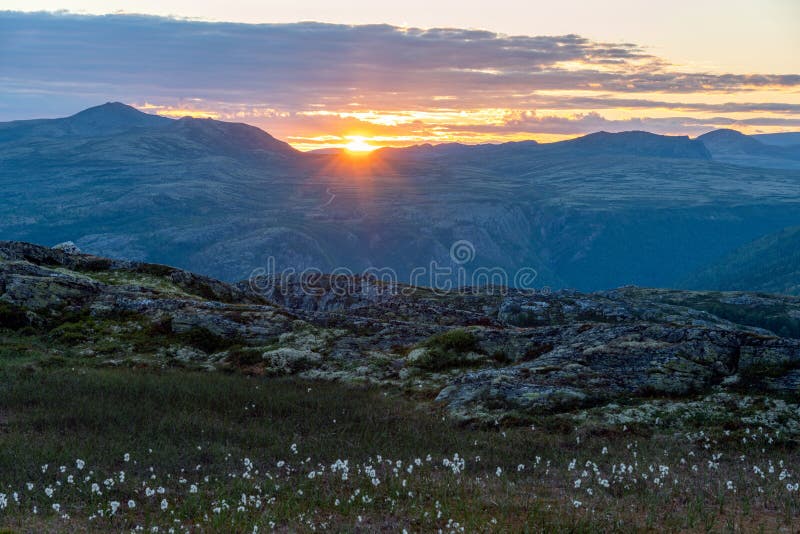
<point>483,355</point>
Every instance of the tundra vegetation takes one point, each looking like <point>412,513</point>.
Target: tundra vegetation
<point>144,398</point>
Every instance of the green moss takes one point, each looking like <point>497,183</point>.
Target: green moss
<point>144,279</point>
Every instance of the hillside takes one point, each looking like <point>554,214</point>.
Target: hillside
<point>453,345</point>
<point>770,264</point>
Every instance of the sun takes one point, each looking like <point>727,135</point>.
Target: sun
<point>358,144</point>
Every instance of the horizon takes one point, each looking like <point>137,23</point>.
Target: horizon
<point>362,150</point>
<point>374,82</point>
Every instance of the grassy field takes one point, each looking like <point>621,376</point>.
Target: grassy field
<point>89,449</point>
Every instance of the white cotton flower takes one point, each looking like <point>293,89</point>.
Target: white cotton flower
<point>131,504</point>
<point>127,457</point>
<point>164,504</point>
<point>193,488</point>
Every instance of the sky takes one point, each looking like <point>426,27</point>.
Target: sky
<point>323,74</point>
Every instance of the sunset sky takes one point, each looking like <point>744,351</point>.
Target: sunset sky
<point>418,72</point>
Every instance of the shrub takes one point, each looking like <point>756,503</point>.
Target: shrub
<point>73,333</point>
<point>205,340</point>
<point>453,340</point>
<point>448,350</point>
<point>245,356</point>
<point>12,316</point>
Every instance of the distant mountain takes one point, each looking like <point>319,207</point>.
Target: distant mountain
<point>731,146</point>
<point>725,141</point>
<point>224,199</point>
<point>770,264</point>
<point>642,144</point>
<point>780,139</point>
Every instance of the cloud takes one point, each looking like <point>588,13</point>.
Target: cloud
<point>51,61</point>
<point>590,122</point>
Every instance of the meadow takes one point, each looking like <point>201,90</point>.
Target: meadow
<point>93,449</point>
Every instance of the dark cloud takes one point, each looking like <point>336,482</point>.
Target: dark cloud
<point>53,63</point>
<point>294,65</point>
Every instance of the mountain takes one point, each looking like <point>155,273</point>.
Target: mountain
<point>734,147</point>
<point>225,199</point>
<point>780,139</point>
<point>640,144</point>
<point>460,150</point>
<point>643,144</point>
<point>107,119</point>
<point>770,264</point>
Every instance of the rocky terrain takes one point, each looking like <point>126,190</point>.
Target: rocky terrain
<point>488,354</point>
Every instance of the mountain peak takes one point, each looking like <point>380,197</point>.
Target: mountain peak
<point>726,140</point>
<point>112,117</point>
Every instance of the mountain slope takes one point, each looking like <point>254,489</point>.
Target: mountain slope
<point>780,139</point>
<point>770,264</point>
<point>734,147</point>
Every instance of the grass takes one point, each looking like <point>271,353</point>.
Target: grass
<point>232,435</point>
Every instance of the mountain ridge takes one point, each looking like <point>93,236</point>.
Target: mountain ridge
<point>224,199</point>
